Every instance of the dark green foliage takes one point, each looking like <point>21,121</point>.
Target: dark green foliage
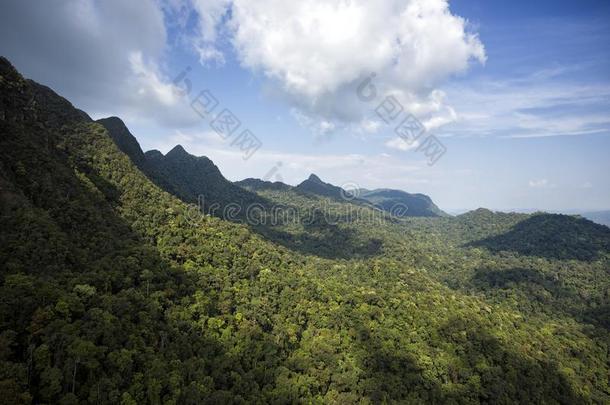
<point>125,141</point>
<point>553,236</point>
<point>316,225</point>
<point>113,291</point>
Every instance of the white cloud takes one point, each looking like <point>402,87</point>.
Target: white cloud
<point>400,144</point>
<point>541,183</point>
<point>370,126</point>
<point>149,82</point>
<point>210,13</point>
<point>208,54</point>
<point>108,57</point>
<point>182,137</point>
<point>317,51</point>
<point>320,128</point>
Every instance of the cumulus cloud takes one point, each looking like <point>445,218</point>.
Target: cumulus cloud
<point>105,56</point>
<point>317,51</point>
<point>108,57</point>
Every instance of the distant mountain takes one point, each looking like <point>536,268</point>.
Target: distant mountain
<point>402,204</point>
<point>398,203</point>
<point>190,177</point>
<point>601,217</point>
<point>316,186</point>
<point>479,213</point>
<point>258,184</point>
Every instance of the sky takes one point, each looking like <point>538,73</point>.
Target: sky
<point>516,95</point>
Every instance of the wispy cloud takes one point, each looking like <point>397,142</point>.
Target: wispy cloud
<point>541,183</point>
<point>537,105</point>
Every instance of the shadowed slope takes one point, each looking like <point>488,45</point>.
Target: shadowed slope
<point>552,236</point>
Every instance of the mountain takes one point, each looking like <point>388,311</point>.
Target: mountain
<point>314,185</point>
<point>401,203</point>
<point>396,202</point>
<point>124,140</point>
<point>198,179</point>
<point>599,217</point>
<point>115,291</point>
<point>97,265</point>
<point>191,178</point>
<point>129,145</point>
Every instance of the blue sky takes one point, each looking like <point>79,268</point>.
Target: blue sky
<point>517,92</point>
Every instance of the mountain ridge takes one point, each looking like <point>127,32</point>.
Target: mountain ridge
<point>193,179</point>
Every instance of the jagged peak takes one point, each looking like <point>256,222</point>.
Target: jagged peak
<point>178,150</point>
<point>313,177</point>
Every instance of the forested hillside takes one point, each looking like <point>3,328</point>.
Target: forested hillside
<point>113,290</point>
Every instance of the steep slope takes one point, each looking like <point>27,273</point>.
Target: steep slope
<point>114,291</point>
<point>91,266</point>
<point>129,145</point>
<point>401,203</point>
<point>124,140</point>
<point>600,217</point>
